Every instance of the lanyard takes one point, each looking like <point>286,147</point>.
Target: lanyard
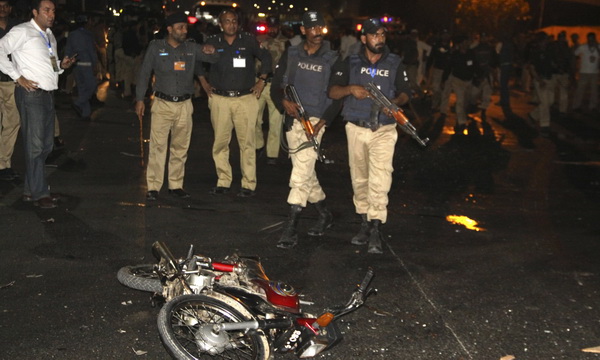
<point>47,41</point>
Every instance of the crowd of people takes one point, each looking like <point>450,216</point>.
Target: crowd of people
<point>243,74</point>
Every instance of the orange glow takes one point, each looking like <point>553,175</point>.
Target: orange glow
<point>464,221</point>
<point>358,27</point>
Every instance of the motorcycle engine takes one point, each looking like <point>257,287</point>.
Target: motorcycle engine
<point>201,282</point>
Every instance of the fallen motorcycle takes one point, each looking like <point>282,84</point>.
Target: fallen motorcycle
<point>230,309</point>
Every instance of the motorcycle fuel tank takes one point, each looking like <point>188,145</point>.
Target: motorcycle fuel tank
<point>280,294</point>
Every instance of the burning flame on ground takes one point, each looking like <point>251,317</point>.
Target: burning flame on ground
<point>464,221</point>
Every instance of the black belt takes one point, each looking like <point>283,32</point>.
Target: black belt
<point>368,125</point>
<point>5,78</point>
<point>232,93</point>
<point>179,98</point>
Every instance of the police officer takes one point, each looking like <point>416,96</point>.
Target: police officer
<point>307,66</point>
<point>80,43</point>
<point>457,77</point>
<point>172,60</point>
<point>371,133</point>
<point>233,100</point>
<point>438,62</point>
<point>485,61</point>
<point>9,115</point>
<point>543,70</point>
<point>275,42</point>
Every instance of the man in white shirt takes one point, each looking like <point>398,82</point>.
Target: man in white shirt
<point>589,55</point>
<point>35,68</point>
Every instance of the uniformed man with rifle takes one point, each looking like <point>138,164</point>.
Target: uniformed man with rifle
<point>300,89</point>
<point>371,129</point>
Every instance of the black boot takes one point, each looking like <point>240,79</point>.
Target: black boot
<point>375,238</point>
<point>289,238</point>
<point>363,234</point>
<point>324,222</point>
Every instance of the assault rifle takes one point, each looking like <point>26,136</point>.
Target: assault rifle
<point>384,103</point>
<point>292,95</point>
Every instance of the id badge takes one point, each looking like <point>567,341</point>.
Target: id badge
<point>54,63</point>
<point>179,65</point>
<point>239,62</point>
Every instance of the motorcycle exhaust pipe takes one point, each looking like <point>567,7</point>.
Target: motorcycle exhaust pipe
<point>253,325</point>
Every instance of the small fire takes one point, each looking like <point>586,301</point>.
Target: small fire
<point>464,221</point>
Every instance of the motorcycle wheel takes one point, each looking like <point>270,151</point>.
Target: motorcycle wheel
<point>180,321</point>
<point>140,277</point>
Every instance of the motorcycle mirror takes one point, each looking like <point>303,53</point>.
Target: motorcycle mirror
<point>190,252</point>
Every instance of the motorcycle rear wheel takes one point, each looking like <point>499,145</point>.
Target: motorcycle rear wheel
<point>180,319</point>
<point>140,277</point>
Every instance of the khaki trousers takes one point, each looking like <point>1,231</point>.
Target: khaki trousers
<point>562,85</point>
<point>370,156</point>
<point>275,120</point>
<point>585,81</point>
<point>460,88</point>
<point>304,185</point>
<point>9,123</point>
<point>174,118</point>
<point>226,114</point>
<point>484,90</point>
<point>546,96</point>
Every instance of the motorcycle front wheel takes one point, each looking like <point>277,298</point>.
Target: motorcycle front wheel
<point>140,277</point>
<point>182,329</point>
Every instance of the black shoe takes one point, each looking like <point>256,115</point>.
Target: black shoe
<point>54,196</point>
<point>289,237</point>
<point>8,174</point>
<point>363,234</point>
<point>45,203</point>
<point>375,243</point>
<point>180,193</point>
<point>246,193</point>
<point>324,222</point>
<point>152,195</point>
<point>219,190</point>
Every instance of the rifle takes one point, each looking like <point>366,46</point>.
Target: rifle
<point>291,93</point>
<point>384,103</point>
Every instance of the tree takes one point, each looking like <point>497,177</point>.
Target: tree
<point>496,17</point>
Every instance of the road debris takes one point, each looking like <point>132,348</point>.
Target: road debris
<point>595,350</point>
<point>7,285</point>
<point>139,352</point>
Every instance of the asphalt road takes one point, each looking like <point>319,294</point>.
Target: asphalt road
<point>525,284</point>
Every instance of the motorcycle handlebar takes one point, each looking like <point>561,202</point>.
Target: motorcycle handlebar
<point>366,281</point>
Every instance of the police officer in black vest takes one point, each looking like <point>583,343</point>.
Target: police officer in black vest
<point>307,66</point>
<point>371,133</point>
